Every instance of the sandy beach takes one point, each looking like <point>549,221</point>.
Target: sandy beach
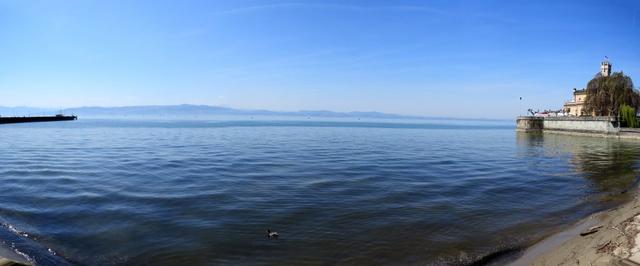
<point>610,237</point>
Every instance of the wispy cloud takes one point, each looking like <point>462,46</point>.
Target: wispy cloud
<point>365,8</point>
<point>342,58</point>
<point>345,7</point>
<point>495,18</point>
<point>634,22</point>
<point>190,33</point>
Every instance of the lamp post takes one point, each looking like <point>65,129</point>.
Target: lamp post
<point>520,106</point>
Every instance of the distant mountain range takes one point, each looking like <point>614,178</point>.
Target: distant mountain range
<point>192,110</point>
<point>187,109</point>
<point>184,110</point>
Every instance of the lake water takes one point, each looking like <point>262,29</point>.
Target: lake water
<point>178,192</point>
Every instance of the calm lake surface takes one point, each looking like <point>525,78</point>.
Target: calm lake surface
<point>338,192</point>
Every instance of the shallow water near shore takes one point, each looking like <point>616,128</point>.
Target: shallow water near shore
<point>143,191</point>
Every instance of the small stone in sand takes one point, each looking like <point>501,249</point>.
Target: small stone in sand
<point>603,245</point>
<point>591,230</point>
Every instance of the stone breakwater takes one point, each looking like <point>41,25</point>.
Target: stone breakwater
<point>589,126</point>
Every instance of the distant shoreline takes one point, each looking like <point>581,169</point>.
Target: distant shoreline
<point>201,110</point>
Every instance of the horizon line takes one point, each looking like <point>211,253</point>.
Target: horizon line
<point>408,116</point>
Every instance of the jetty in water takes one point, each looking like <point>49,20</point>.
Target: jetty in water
<point>30,119</point>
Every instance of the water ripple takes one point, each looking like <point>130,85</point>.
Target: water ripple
<point>197,192</point>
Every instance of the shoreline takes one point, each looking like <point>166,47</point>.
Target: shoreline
<point>8,262</point>
<point>617,242</point>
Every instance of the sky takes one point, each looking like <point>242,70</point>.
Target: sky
<point>447,58</point>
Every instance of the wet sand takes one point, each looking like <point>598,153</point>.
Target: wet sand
<point>616,242</point>
<point>7,262</point>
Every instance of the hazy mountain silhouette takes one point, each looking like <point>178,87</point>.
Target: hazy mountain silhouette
<point>195,110</point>
<point>187,109</point>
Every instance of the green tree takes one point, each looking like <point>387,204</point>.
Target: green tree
<point>605,95</point>
<point>629,116</point>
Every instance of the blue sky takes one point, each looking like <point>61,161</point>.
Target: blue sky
<point>433,58</point>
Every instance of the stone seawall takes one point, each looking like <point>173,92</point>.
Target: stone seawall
<point>529,123</point>
<point>586,126</point>
<point>598,125</point>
